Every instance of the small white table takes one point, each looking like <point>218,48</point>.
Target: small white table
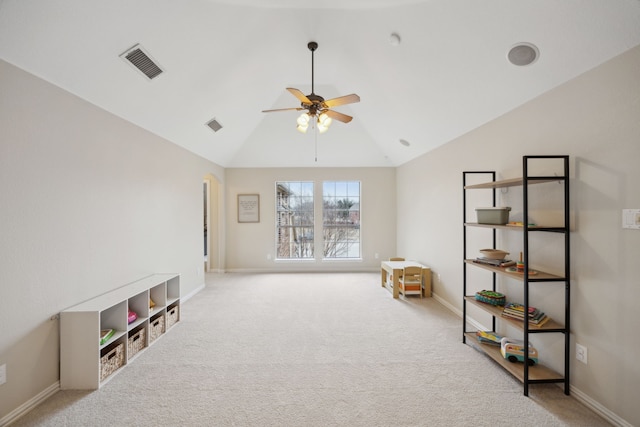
<point>394,268</point>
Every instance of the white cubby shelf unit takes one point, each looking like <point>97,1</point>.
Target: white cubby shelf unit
<point>85,363</point>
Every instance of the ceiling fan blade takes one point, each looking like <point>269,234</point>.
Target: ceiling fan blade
<point>283,109</point>
<point>298,94</point>
<point>338,116</point>
<point>342,100</point>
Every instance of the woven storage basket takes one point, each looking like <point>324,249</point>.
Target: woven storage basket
<point>490,297</point>
<point>172,316</point>
<point>135,343</point>
<point>111,361</point>
<point>156,328</point>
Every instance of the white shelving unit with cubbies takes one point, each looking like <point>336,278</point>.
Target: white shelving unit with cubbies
<point>86,362</point>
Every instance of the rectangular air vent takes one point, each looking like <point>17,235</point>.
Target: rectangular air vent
<point>142,61</point>
<point>214,125</point>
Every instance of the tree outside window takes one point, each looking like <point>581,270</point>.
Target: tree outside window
<point>295,220</point>
<point>341,219</point>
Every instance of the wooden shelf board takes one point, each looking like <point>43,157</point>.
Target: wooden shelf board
<point>540,276</point>
<point>516,227</point>
<point>536,372</point>
<point>497,312</point>
<point>513,182</point>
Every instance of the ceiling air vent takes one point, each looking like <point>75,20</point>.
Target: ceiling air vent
<point>142,61</point>
<point>214,125</point>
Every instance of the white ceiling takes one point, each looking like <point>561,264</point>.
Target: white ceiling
<point>231,59</point>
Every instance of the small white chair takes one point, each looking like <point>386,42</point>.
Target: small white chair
<point>411,281</point>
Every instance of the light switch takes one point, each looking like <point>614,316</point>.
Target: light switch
<point>631,218</point>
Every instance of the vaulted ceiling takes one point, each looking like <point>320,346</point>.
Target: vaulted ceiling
<point>231,59</point>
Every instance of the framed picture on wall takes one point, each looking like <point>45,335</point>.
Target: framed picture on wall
<point>248,208</point>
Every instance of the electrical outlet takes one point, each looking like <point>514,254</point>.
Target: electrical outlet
<point>581,353</point>
<point>377,255</point>
<point>3,373</point>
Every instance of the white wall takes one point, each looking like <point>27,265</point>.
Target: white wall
<point>89,202</point>
<point>595,119</point>
<point>249,244</point>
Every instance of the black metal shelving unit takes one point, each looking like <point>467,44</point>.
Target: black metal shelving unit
<point>527,374</point>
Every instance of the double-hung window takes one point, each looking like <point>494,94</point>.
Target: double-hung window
<point>294,222</point>
<point>341,219</point>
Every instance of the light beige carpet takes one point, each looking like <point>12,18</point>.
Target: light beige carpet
<point>311,350</point>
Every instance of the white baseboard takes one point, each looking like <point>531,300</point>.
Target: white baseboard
<point>192,293</point>
<point>446,304</point>
<point>30,404</point>
<point>576,393</point>
<point>457,312</point>
<point>292,269</point>
<point>598,408</point>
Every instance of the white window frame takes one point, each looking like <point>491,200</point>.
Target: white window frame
<point>341,220</point>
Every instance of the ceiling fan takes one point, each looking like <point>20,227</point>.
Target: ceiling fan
<point>316,106</point>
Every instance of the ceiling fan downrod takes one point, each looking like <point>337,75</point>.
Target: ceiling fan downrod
<point>312,47</point>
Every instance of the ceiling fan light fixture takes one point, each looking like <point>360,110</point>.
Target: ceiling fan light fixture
<point>324,121</point>
<point>303,120</point>
<point>322,128</point>
<point>303,123</point>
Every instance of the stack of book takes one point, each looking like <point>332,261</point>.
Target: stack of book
<point>489,337</point>
<point>494,262</point>
<point>514,310</point>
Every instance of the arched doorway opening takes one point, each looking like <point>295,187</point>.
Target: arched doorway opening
<point>211,223</point>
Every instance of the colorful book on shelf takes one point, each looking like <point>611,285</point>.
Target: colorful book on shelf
<point>538,322</point>
<point>488,337</point>
<point>532,314</point>
<point>105,334</point>
<point>521,317</point>
<point>541,322</point>
<point>518,307</point>
<point>512,316</point>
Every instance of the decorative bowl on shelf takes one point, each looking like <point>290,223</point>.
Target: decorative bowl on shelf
<point>493,253</point>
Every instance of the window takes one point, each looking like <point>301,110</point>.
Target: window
<point>341,219</point>
<point>294,220</point>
